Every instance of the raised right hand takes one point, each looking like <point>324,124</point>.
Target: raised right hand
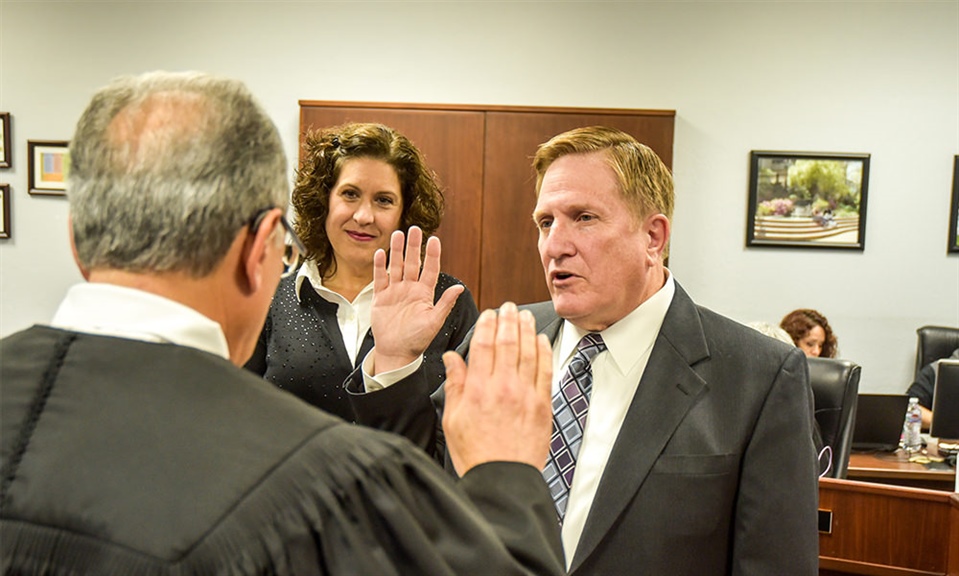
<point>403,316</point>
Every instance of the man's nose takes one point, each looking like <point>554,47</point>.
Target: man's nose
<point>557,241</point>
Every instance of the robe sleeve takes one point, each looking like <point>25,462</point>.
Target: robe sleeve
<point>386,508</point>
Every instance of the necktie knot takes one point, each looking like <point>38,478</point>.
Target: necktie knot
<point>591,345</point>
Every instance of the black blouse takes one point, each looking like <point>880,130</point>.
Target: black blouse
<point>301,347</point>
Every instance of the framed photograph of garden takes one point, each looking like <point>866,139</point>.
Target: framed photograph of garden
<point>954,210</point>
<point>807,200</point>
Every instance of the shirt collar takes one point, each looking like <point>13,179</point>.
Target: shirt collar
<point>309,273</point>
<point>629,338</point>
<point>111,310</point>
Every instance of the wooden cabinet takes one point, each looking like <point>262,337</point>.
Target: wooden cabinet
<point>483,155</point>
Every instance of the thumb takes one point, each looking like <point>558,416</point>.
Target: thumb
<point>446,302</point>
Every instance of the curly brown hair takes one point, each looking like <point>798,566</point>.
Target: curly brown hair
<point>323,155</point>
<point>799,322</point>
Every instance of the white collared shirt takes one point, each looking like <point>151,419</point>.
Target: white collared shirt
<point>353,318</point>
<point>111,310</point>
<point>616,375</point>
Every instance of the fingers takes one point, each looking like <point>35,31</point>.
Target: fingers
<point>528,350</point>
<point>396,255</point>
<point>431,264</point>
<point>380,277</point>
<point>414,241</point>
<point>481,346</point>
<point>507,339</point>
<point>405,264</point>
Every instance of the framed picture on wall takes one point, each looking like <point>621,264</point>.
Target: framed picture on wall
<point>5,208</point>
<point>5,145</point>
<point>954,210</point>
<point>48,164</point>
<point>807,200</point>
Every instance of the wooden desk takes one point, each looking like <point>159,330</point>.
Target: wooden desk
<point>895,468</point>
<point>878,530</point>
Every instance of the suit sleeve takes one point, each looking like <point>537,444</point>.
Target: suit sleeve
<point>382,507</point>
<point>775,527</point>
<point>405,408</point>
<point>513,498</point>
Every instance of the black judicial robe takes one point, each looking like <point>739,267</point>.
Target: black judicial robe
<point>128,457</point>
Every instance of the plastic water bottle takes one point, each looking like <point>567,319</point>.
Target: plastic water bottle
<point>912,441</point>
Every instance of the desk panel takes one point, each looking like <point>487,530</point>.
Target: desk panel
<point>882,530</point>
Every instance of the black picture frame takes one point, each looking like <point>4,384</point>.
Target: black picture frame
<point>807,200</point>
<point>6,148</point>
<point>48,162</point>
<point>5,208</point>
<point>953,246</point>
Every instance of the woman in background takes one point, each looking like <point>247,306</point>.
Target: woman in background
<point>358,183</point>
<point>810,331</point>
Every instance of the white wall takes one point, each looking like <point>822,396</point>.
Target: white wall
<point>875,77</point>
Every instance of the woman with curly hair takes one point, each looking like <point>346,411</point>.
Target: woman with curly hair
<point>810,331</point>
<point>357,184</point>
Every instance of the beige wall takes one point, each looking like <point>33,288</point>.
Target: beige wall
<point>875,77</point>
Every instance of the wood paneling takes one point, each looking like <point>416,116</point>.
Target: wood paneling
<point>482,155</point>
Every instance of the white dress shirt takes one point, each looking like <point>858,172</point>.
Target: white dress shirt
<point>353,317</point>
<point>616,375</point>
<point>111,310</point>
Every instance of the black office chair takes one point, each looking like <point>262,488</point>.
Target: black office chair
<point>835,388</point>
<point>935,342</point>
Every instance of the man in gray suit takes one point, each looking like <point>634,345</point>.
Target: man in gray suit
<point>697,454</point>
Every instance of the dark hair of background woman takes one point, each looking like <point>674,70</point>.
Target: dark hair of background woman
<point>799,322</point>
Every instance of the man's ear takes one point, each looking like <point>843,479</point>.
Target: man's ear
<point>658,229</point>
<point>73,249</point>
<point>257,250</point>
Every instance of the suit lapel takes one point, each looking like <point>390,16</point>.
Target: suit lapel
<point>667,390</point>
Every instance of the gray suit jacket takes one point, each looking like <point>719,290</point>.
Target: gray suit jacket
<point>714,470</point>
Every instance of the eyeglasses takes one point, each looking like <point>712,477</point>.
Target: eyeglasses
<point>293,245</point>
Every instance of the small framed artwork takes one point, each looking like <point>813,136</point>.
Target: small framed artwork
<point>807,200</point>
<point>5,208</point>
<point>48,164</point>
<point>5,140</point>
<point>954,211</point>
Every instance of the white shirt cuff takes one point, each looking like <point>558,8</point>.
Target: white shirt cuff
<point>386,379</point>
